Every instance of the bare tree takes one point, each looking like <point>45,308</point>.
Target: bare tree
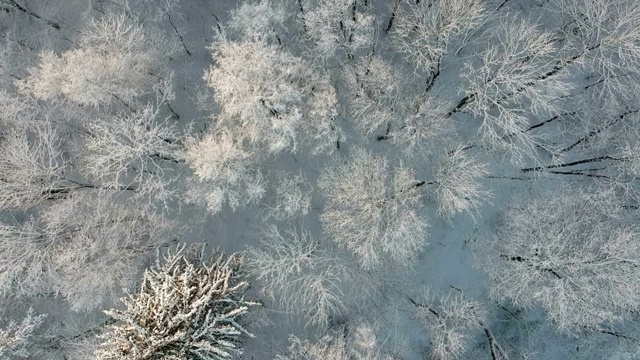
<point>33,167</point>
<point>347,25</point>
<point>344,343</point>
<point>137,150</point>
<point>450,319</point>
<point>113,238</point>
<point>420,123</point>
<point>457,184</point>
<point>322,132</point>
<point>259,20</point>
<point>116,62</point>
<point>292,197</point>
<point>374,94</point>
<point>17,110</point>
<point>601,39</point>
<point>373,210</point>
<point>509,84</point>
<point>37,167</point>
<point>296,273</point>
<point>16,337</point>
<point>264,94</point>
<point>225,172</point>
<point>22,260</point>
<point>425,31</point>
<point>571,251</point>
<point>187,307</point>
<point>84,249</point>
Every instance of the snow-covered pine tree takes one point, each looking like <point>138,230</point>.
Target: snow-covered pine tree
<point>16,337</point>
<point>187,308</point>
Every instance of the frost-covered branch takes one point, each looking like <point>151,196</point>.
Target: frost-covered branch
<point>450,319</point>
<point>296,273</point>
<point>187,307</point>
<point>115,63</point>
<point>84,249</point>
<point>372,209</point>
<point>574,253</point>
<point>457,179</point>
<point>16,337</point>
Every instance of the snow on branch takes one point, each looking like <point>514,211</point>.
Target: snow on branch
<point>134,150</point>
<point>15,337</point>
<point>268,96</point>
<point>451,319</point>
<point>458,188</point>
<point>295,272</point>
<point>343,343</point>
<point>115,62</point>
<point>573,252</point>
<point>425,31</point>
<point>373,210</point>
<point>32,167</point>
<point>187,307</point>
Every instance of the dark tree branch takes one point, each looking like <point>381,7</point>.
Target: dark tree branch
<point>432,77</point>
<point>596,132</point>
<point>461,104</point>
<point>166,158</point>
<point>497,353</point>
<point>578,173</point>
<point>393,16</point>
<point>573,163</point>
<point>29,12</point>
<point>502,5</point>
<point>529,262</point>
<point>424,306</point>
<point>179,35</point>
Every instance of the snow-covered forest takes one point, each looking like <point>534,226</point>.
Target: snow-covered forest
<point>319,179</point>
